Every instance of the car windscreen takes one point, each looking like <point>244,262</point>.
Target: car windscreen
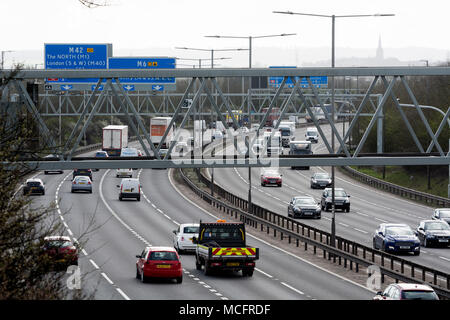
<point>190,229</point>
<point>444,213</point>
<point>399,231</point>
<point>81,178</point>
<point>311,133</point>
<point>321,176</point>
<point>221,233</point>
<point>419,295</point>
<point>300,146</point>
<point>58,244</point>
<point>306,201</point>
<point>82,171</point>
<point>163,255</point>
<point>33,184</point>
<point>340,193</point>
<point>436,226</point>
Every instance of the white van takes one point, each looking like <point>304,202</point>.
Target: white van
<point>312,134</point>
<point>130,188</point>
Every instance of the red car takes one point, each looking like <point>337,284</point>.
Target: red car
<point>159,262</point>
<point>271,177</point>
<point>61,249</point>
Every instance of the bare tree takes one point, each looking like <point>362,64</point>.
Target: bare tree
<point>93,3</point>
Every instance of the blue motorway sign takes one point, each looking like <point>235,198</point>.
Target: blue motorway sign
<point>76,56</point>
<point>143,63</point>
<point>318,82</point>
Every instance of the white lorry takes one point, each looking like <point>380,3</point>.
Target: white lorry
<point>114,139</point>
<point>158,126</point>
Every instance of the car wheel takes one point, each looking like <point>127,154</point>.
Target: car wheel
<point>416,253</point>
<point>247,272</point>
<point>138,198</point>
<point>180,279</point>
<point>143,278</point>
<point>120,198</point>
<point>137,274</point>
<point>425,242</point>
<point>198,265</point>
<point>207,269</point>
<point>45,172</point>
<point>347,209</point>
<point>43,193</point>
<point>318,217</point>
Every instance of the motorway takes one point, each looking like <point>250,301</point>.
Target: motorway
<point>369,207</point>
<point>121,229</point>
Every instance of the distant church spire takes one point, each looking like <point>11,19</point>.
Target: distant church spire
<point>380,54</point>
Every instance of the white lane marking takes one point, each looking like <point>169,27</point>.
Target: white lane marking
<point>264,273</point>
<point>359,230</point>
<point>94,264</point>
<point>444,258</point>
<point>292,288</point>
<point>83,250</point>
<point>114,213</point>
<point>106,277</point>
<point>123,294</point>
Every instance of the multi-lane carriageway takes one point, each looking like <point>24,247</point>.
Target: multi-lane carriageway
<point>369,207</point>
<point>118,230</point>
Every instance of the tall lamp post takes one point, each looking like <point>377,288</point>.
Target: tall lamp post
<point>212,66</point>
<point>250,38</point>
<point>200,61</point>
<point>333,19</point>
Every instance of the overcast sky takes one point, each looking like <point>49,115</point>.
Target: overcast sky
<point>136,25</point>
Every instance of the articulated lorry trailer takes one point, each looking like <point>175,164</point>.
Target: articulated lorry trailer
<point>114,139</point>
<point>158,126</point>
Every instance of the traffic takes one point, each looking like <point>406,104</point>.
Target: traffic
<point>219,248</point>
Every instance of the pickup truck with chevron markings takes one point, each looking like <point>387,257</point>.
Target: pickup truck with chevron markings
<point>221,246</point>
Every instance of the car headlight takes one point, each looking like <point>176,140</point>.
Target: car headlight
<point>346,201</point>
<point>314,180</point>
<point>297,210</point>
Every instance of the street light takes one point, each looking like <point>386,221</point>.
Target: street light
<point>212,51</point>
<point>250,38</point>
<point>200,60</point>
<point>333,18</point>
<point>250,41</point>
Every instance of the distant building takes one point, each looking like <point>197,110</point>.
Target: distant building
<point>377,61</point>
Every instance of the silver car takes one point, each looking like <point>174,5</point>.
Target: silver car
<point>81,183</point>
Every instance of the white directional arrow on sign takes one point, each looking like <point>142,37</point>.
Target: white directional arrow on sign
<point>66,87</point>
<point>157,88</point>
<point>128,87</point>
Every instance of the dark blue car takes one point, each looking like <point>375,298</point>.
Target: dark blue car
<point>392,237</point>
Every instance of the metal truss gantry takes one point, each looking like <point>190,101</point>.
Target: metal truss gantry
<point>201,85</point>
